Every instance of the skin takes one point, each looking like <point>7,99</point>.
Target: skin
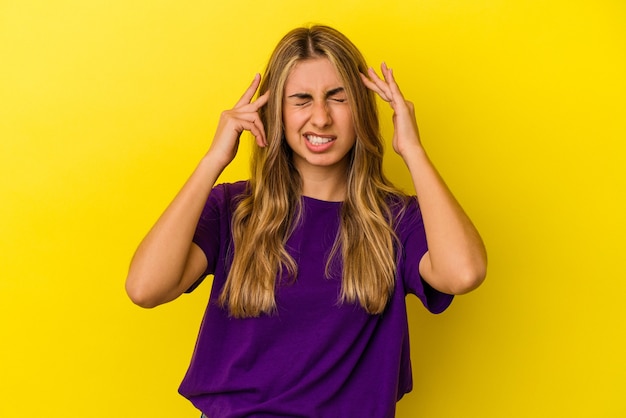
<point>456,261</point>
<point>315,104</point>
<point>167,263</point>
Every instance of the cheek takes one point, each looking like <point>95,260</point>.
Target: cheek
<point>290,120</point>
<point>346,120</point>
<point>291,127</point>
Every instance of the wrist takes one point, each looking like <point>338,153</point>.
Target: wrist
<point>215,160</point>
<point>413,153</point>
<point>211,166</point>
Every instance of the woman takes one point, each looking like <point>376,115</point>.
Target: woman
<point>313,256</point>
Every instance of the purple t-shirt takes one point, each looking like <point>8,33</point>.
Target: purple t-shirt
<point>313,357</point>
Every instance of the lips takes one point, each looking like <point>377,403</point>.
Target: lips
<point>318,140</point>
<point>318,143</point>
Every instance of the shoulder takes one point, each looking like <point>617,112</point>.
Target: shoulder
<point>230,190</point>
<point>228,193</point>
<point>404,210</point>
<point>223,199</point>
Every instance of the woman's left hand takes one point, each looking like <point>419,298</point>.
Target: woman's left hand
<point>406,134</point>
<point>456,259</point>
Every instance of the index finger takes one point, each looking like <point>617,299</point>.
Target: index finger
<point>261,100</point>
<point>249,94</point>
<point>372,86</point>
<point>391,80</point>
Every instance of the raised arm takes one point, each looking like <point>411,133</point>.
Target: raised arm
<point>166,262</point>
<point>456,260</point>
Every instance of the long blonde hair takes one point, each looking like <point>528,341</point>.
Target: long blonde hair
<point>270,207</point>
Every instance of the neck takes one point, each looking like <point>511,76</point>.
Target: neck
<point>324,184</point>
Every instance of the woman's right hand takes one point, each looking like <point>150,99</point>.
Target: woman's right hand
<point>167,262</point>
<point>244,116</point>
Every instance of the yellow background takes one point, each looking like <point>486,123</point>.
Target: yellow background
<point>106,106</point>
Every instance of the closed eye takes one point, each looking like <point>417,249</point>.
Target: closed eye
<point>337,95</point>
<point>300,99</point>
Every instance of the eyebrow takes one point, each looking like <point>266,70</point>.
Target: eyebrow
<point>329,93</point>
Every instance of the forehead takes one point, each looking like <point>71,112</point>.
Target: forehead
<point>313,75</point>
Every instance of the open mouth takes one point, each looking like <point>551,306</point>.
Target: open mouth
<point>319,140</point>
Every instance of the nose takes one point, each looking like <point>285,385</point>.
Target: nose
<point>320,115</point>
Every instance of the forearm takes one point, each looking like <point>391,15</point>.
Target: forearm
<point>456,260</point>
<point>166,262</point>
<point>157,270</point>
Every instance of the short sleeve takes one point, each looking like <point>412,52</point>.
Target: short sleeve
<point>213,233</point>
<point>410,230</point>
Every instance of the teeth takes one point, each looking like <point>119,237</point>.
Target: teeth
<point>316,140</point>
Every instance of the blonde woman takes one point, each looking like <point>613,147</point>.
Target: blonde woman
<point>313,256</point>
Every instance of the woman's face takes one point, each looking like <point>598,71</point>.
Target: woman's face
<point>317,116</point>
